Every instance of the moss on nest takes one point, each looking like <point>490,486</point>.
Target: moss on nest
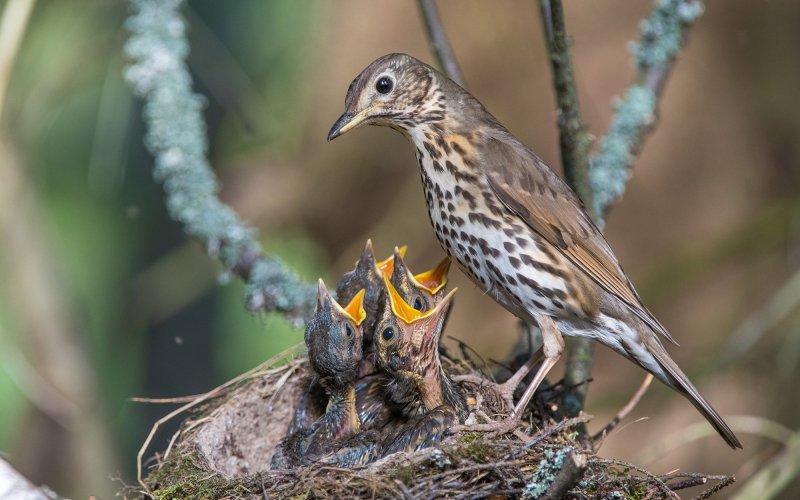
<point>224,449</point>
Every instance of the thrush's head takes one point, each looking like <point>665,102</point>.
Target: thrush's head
<point>396,91</point>
<point>334,335</point>
<point>407,339</point>
<point>421,291</point>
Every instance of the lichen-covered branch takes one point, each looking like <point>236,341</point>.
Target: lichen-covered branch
<point>662,35</point>
<point>439,43</point>
<point>176,136</point>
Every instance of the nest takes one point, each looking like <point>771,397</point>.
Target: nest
<point>224,449</point>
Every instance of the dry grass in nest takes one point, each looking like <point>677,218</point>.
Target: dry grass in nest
<point>224,449</point>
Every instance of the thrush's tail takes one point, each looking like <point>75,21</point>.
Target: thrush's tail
<point>678,381</point>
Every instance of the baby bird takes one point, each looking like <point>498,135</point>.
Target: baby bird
<point>422,291</point>
<point>334,340</point>
<point>407,347</point>
<point>368,276</point>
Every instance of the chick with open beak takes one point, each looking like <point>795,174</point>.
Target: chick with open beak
<point>421,291</point>
<point>334,340</point>
<point>407,347</point>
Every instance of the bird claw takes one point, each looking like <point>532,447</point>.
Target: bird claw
<point>505,390</point>
<point>495,428</point>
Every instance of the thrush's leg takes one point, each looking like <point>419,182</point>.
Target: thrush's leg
<point>506,389</point>
<point>553,346</point>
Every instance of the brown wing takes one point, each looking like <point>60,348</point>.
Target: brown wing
<point>528,187</point>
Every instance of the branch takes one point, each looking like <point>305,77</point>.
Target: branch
<point>662,35</point>
<point>439,43</point>
<point>574,142</point>
<point>176,136</point>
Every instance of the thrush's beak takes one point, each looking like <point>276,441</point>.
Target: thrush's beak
<point>435,279</point>
<point>347,122</point>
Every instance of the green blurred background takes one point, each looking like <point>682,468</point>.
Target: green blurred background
<point>103,298</point>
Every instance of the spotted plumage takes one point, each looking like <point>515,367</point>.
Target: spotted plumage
<point>511,224</point>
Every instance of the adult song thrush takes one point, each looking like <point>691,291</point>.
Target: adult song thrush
<point>512,224</point>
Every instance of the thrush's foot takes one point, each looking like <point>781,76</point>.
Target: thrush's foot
<point>505,390</point>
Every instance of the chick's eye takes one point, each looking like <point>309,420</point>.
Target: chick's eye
<point>384,85</point>
<point>348,330</point>
<point>418,304</point>
<point>388,334</point>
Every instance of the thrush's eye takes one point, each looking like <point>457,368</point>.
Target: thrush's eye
<point>388,334</point>
<point>418,304</point>
<point>384,85</point>
<point>348,330</point>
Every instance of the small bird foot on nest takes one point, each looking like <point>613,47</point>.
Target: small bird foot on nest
<point>505,390</point>
<point>494,427</point>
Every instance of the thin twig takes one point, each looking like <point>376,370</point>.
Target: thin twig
<point>600,437</point>
<point>729,480</point>
<point>574,140</point>
<point>439,43</point>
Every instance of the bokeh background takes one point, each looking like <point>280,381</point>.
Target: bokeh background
<point>103,298</point>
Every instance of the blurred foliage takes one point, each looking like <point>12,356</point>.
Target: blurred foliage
<point>71,115</point>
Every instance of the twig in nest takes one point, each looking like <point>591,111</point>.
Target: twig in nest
<point>571,472</point>
<point>564,424</point>
<point>648,475</point>
<point>727,481</point>
<point>599,438</point>
<point>178,399</point>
